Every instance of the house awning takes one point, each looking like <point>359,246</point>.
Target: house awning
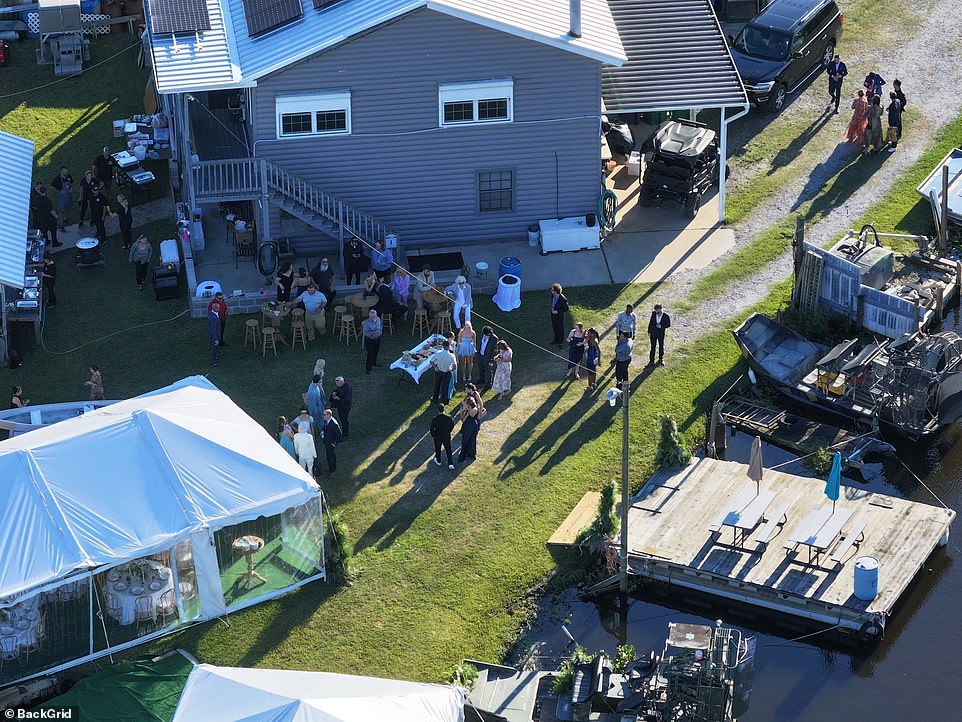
<point>17,154</point>
<point>677,59</point>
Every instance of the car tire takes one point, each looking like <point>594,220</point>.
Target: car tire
<point>828,55</point>
<point>692,204</point>
<point>777,100</point>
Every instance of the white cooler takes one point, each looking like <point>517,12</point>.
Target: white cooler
<point>169,254</point>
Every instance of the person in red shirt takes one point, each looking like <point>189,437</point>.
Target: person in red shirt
<point>219,304</point>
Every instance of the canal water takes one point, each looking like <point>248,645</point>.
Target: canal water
<point>915,673</point>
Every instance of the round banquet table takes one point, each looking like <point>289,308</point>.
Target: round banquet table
<point>275,312</point>
<point>508,296</point>
<point>23,622</point>
<point>435,300</point>
<point>362,303</point>
<point>163,580</point>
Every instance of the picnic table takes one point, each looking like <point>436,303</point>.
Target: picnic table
<point>743,512</point>
<point>818,531</point>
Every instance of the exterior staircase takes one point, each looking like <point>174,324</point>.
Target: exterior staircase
<point>248,179</point>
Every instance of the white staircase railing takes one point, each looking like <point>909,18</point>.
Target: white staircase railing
<point>251,178</point>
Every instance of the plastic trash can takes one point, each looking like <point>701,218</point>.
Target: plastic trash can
<point>510,265</point>
<point>481,269</point>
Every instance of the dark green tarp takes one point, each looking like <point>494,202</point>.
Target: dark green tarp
<point>144,691</point>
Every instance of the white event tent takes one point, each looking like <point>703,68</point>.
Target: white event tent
<point>130,521</point>
<point>216,694</point>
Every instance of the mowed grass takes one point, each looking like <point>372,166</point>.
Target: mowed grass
<point>70,120</point>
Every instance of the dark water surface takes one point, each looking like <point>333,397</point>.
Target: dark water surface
<point>915,673</point>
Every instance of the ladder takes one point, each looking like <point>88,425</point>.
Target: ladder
<point>809,282</point>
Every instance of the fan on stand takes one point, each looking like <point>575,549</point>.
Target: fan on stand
<point>267,260</point>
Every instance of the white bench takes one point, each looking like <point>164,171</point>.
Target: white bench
<point>853,536</point>
<point>773,520</point>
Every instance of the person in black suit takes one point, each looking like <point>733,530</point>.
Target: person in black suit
<point>836,74</point>
<point>487,347</point>
<point>355,261</point>
<point>657,325</point>
<point>341,399</point>
<point>442,426</point>
<point>387,304</point>
<point>559,307</point>
<point>331,436</point>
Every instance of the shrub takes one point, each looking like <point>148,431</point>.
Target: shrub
<point>671,449</point>
<point>464,675</point>
<point>338,550</point>
<point>564,681</point>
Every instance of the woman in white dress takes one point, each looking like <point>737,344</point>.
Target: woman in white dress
<point>501,384</point>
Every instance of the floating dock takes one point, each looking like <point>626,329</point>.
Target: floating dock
<point>709,527</point>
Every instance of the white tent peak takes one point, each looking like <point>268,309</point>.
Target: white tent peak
<point>215,693</point>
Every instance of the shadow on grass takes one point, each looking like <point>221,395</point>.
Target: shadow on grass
<point>844,154</point>
<point>846,183</point>
<point>396,520</point>
<point>790,152</point>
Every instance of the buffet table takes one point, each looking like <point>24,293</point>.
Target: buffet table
<point>417,361</point>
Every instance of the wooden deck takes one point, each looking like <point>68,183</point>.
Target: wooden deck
<point>669,540</point>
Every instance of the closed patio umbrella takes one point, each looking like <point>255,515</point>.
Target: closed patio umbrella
<point>834,484</point>
<point>755,467</point>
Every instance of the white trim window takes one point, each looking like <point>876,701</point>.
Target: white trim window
<point>487,101</point>
<point>315,114</point>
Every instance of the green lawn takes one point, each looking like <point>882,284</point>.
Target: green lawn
<point>447,561</point>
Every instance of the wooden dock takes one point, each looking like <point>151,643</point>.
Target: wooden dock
<point>670,539</point>
<point>790,431</point>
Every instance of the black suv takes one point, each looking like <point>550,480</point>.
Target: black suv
<point>783,46</point>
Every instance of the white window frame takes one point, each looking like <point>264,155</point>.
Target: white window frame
<point>474,92</point>
<point>313,103</point>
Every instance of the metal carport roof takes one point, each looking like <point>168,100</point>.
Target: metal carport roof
<point>677,59</point>
<point>17,154</point>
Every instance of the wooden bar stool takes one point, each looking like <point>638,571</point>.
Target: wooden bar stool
<point>338,312</point>
<point>252,330</point>
<point>348,329</point>
<point>442,322</point>
<point>268,340</point>
<point>422,324</point>
<point>387,322</point>
<point>298,333</point>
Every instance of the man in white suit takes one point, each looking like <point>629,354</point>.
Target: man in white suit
<point>460,293</point>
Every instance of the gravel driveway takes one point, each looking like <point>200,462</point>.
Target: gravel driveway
<point>927,61</point>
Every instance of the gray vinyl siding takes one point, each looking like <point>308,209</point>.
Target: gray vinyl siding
<point>400,167</point>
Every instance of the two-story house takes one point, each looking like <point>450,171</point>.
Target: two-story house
<point>441,121</point>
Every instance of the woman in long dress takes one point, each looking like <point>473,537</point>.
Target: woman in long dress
<point>873,136</point>
<point>592,357</point>
<point>501,384</point>
<point>470,424</point>
<point>576,350</point>
<point>286,436</point>
<point>467,338</point>
<point>855,133</point>
<point>314,398</point>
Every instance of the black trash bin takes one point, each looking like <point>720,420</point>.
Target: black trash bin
<point>166,283</point>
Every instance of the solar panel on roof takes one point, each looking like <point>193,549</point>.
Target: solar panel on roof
<point>178,16</point>
<point>264,15</point>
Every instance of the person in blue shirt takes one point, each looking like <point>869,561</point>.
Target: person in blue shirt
<point>382,260</point>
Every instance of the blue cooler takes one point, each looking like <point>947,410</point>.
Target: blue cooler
<point>510,264</point>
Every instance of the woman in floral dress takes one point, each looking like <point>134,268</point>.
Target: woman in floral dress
<point>855,133</point>
<point>501,384</point>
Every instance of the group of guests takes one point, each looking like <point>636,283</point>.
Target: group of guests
<point>490,356</point>
<point>470,413</point>
<point>297,436</point>
<point>584,345</point>
<point>50,204</point>
<point>868,109</point>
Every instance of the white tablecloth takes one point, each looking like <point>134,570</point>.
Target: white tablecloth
<point>128,597</point>
<point>508,296</point>
<point>23,622</point>
<point>417,371</point>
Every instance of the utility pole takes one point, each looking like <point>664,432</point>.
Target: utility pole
<point>624,487</point>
